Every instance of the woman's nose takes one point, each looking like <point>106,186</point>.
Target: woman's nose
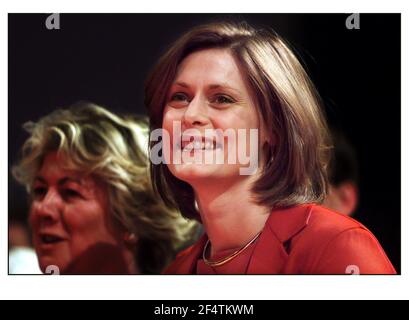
<point>48,207</point>
<point>196,113</point>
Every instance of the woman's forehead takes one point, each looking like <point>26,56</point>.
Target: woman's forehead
<point>55,166</point>
<point>210,67</point>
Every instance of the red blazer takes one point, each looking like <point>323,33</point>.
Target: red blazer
<point>305,239</point>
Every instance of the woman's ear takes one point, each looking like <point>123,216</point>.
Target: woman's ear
<point>268,145</point>
<point>271,139</point>
<point>266,136</point>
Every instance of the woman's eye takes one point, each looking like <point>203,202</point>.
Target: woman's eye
<point>179,100</point>
<point>222,99</point>
<point>71,193</point>
<point>179,97</point>
<point>39,192</point>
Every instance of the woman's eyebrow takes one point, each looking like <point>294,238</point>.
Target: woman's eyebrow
<point>210,86</point>
<point>69,179</point>
<point>222,86</point>
<point>181,84</point>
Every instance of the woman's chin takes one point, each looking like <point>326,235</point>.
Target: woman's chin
<point>191,172</point>
<point>50,265</point>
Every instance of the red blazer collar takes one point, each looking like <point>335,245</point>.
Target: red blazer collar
<point>269,254</point>
<point>285,223</point>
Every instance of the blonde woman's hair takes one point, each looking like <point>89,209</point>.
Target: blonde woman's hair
<point>288,106</point>
<point>113,149</point>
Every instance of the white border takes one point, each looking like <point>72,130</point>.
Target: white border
<point>202,287</point>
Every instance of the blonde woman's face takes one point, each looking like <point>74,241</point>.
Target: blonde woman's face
<point>209,93</point>
<point>69,214</point>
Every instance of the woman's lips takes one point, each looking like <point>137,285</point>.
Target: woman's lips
<point>48,240</point>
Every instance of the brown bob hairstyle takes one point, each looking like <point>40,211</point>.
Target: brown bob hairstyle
<point>288,105</point>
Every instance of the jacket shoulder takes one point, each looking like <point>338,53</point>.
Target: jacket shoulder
<point>332,242</point>
<point>326,221</point>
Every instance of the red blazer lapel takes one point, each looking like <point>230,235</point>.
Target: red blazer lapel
<point>269,255</point>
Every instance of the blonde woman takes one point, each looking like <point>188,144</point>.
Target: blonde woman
<point>227,77</point>
<point>92,207</point>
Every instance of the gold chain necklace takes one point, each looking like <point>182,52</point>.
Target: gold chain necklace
<point>229,257</point>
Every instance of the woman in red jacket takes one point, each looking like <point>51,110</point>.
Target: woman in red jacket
<point>244,150</point>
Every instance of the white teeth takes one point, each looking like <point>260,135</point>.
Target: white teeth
<point>197,145</point>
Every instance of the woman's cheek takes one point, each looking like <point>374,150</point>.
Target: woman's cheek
<point>171,126</point>
<point>32,217</point>
<point>79,217</point>
<point>170,116</point>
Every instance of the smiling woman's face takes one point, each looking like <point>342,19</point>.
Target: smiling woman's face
<point>209,92</point>
<point>69,214</point>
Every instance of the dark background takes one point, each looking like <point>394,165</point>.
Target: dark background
<point>105,58</point>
